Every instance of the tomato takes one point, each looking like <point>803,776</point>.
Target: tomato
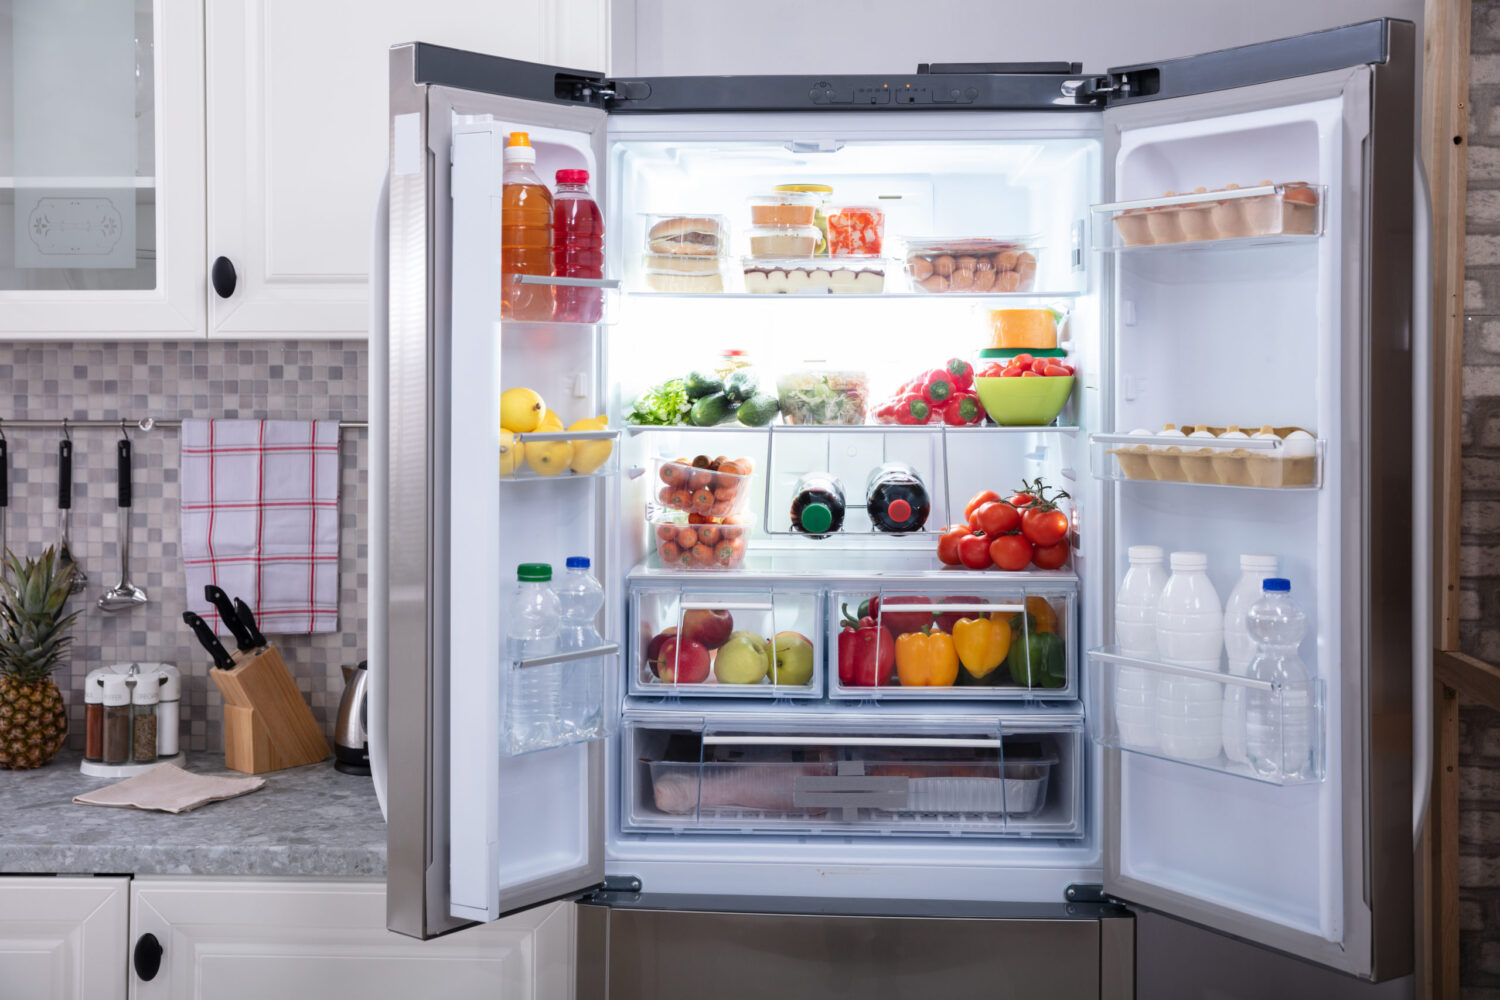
<point>1040,365</point>
<point>1030,374</point>
<point>1011,371</point>
<point>992,370</point>
<point>974,551</point>
<point>1021,500</point>
<point>1050,556</point>
<point>947,549</point>
<point>1023,360</point>
<point>978,499</point>
<point>995,519</point>
<point>1044,527</point>
<point>1011,552</point>
<point>1052,371</point>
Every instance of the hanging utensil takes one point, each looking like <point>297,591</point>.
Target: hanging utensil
<point>124,595</point>
<point>65,508</point>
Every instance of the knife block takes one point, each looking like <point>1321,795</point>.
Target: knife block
<point>267,723</point>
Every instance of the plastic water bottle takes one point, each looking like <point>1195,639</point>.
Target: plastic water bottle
<point>580,597</point>
<point>1135,635</point>
<point>1279,722</point>
<point>1241,648</point>
<point>532,632</point>
<point>1189,633</point>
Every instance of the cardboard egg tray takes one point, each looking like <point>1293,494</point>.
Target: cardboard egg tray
<point>1219,465</point>
<point>1230,218</point>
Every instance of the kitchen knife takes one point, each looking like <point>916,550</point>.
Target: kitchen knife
<point>247,619</point>
<point>209,640</point>
<point>230,617</point>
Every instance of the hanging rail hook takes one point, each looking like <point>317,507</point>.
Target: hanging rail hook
<point>2,428</point>
<point>145,424</point>
<point>67,434</point>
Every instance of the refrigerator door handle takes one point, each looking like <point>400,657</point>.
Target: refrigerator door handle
<point>1421,504</point>
<point>375,638</point>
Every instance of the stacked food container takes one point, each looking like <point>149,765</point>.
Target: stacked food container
<point>685,253</point>
<point>798,247</point>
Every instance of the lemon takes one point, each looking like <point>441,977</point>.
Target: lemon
<point>548,458</point>
<point>521,410</point>
<point>550,422</point>
<point>589,455</point>
<point>511,453</point>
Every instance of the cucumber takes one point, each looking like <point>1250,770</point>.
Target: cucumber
<point>740,386</point>
<point>699,385</point>
<point>759,410</point>
<point>711,410</point>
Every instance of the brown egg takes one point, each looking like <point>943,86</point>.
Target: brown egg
<point>1026,262</point>
<point>984,280</point>
<point>984,264</point>
<point>935,283</point>
<point>1005,260</point>
<point>920,268</point>
<point>963,280</point>
<point>943,265</point>
<point>965,263</point>
<point>1008,281</point>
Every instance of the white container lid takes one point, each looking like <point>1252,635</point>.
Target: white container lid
<point>171,682</point>
<point>116,691</point>
<point>1145,554</point>
<point>1258,564</point>
<point>1189,562</point>
<point>93,689</point>
<point>146,687</point>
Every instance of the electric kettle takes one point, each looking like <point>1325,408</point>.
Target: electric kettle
<point>351,740</point>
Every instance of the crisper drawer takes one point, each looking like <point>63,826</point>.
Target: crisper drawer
<point>986,641</point>
<point>1020,782</point>
<point>703,642</point>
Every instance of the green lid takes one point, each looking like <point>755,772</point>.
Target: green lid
<point>816,518</point>
<point>534,572</point>
<point>990,353</point>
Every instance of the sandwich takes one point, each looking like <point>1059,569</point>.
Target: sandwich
<point>697,237</point>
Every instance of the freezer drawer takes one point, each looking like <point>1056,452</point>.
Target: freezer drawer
<point>983,783</point>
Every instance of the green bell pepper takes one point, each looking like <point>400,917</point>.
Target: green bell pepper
<point>1036,660</point>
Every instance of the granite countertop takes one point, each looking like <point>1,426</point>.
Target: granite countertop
<point>310,821</point>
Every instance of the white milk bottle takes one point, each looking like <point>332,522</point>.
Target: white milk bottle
<point>1240,648</point>
<point>1189,633</point>
<point>1135,635</point>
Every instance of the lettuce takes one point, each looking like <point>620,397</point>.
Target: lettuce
<point>661,405</point>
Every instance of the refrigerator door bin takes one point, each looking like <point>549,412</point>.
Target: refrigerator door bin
<point>555,701</point>
<point>738,643</point>
<point>1235,216</point>
<point>559,456</point>
<point>1291,460</point>
<point>1237,725</point>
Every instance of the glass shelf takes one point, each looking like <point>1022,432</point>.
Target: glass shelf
<point>845,297</point>
<point>935,428</point>
<point>1264,215</point>
<point>830,564</point>
<point>1245,463</point>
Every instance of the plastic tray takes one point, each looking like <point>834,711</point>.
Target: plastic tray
<point>692,489</point>
<point>973,266</point>
<point>1266,211</point>
<point>1244,463</point>
<point>724,543</point>
<point>814,275</point>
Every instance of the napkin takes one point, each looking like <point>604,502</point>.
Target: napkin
<point>168,788</point>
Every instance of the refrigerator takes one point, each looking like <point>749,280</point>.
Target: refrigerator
<point>815,831</point>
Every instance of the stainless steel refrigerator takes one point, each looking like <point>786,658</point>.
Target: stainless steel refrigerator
<point>1237,238</point>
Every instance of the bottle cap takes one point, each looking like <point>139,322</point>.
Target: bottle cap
<point>116,691</point>
<point>534,572</point>
<point>147,688</point>
<point>171,682</point>
<point>1276,585</point>
<point>517,139</point>
<point>1145,553</point>
<point>1189,561</point>
<point>1258,564</point>
<point>899,510</point>
<point>93,687</point>
<point>816,518</point>
<point>572,177</point>
<point>519,150</point>
<point>578,562</point>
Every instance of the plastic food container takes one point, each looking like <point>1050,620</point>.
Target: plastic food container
<point>1023,402</point>
<point>823,396</point>
<point>693,489</point>
<point>714,545</point>
<point>694,234</point>
<point>821,193</point>
<point>783,241</point>
<point>784,208</point>
<point>971,265</point>
<point>683,273</point>
<point>856,231</point>
<point>1023,329</point>
<point>814,275</point>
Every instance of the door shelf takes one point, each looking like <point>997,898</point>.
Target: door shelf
<point>1253,463</point>
<point>1215,729</point>
<point>1264,215</point>
<point>582,441</point>
<point>555,700</point>
<point>916,429</point>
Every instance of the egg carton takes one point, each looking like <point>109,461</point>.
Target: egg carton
<point>1219,464</point>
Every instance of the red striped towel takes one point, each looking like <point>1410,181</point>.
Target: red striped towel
<point>260,518</point>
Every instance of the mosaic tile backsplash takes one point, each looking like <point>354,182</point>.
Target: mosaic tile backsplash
<point>294,381</point>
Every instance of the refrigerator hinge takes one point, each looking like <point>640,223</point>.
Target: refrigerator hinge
<point>1089,892</point>
<point>615,889</point>
<point>599,92</point>
<point>1098,89</point>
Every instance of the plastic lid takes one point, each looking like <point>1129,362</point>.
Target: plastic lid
<point>1258,564</point>
<point>899,510</point>
<point>518,139</point>
<point>812,188</point>
<point>518,149</point>
<point>147,689</point>
<point>534,572</point>
<point>816,518</point>
<point>116,691</point>
<point>1145,553</point>
<point>1189,561</point>
<point>93,687</point>
<point>1010,352</point>
<point>578,562</point>
<point>171,682</point>
<point>1276,585</point>
<point>572,177</point>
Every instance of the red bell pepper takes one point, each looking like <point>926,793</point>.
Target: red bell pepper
<point>937,386</point>
<point>867,652</point>
<point>962,373</point>
<point>964,408</point>
<point>912,409</point>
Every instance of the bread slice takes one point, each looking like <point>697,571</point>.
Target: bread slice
<point>661,281</point>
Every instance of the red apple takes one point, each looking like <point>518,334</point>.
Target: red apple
<point>682,661</point>
<point>710,627</point>
<point>654,646</point>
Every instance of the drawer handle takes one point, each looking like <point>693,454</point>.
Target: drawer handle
<point>223,277</point>
<point>147,957</point>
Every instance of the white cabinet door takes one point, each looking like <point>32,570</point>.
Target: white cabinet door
<point>63,938</point>
<point>257,938</point>
<point>298,95</point>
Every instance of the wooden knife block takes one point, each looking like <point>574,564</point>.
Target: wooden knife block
<point>267,723</point>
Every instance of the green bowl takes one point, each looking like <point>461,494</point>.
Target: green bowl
<point>1023,402</point>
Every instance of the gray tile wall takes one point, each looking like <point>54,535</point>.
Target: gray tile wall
<point>289,380</point>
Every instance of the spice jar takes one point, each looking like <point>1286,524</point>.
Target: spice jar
<point>168,710</point>
<point>143,721</point>
<point>93,716</point>
<point>116,701</point>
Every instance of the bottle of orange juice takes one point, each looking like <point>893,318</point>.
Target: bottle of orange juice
<point>526,233</point>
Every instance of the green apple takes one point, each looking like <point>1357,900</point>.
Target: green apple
<point>794,658</point>
<point>744,659</point>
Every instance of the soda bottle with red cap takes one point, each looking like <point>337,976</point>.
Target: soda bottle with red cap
<point>577,247</point>
<point>896,499</point>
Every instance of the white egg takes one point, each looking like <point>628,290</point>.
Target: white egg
<point>1234,433</point>
<point>1300,444</point>
<point>1202,432</point>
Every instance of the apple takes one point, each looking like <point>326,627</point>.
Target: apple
<point>710,627</point>
<point>794,658</point>
<point>682,661</point>
<point>653,648</point>
<point>744,659</point>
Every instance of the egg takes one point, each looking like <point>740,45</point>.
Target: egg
<point>1233,432</point>
<point>1300,444</point>
<point>1200,431</point>
<point>1169,430</point>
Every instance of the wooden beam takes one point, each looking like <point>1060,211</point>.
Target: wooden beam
<point>1442,840</point>
<point>1468,675</point>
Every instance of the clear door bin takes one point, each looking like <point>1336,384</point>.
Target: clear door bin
<point>557,456</point>
<point>1292,459</point>
<point>698,643</point>
<point>557,700</point>
<point>1007,644</point>
<point>1281,728</point>
<point>1266,213</point>
<point>996,783</point>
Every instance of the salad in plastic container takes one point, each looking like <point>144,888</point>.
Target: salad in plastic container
<point>823,396</point>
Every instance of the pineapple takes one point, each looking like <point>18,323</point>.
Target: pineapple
<point>33,640</point>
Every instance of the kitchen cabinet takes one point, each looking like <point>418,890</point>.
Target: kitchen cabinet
<point>255,938</point>
<point>297,137</point>
<point>63,938</point>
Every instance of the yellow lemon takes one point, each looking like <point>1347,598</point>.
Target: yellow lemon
<point>511,453</point>
<point>521,410</point>
<point>548,458</point>
<point>589,455</point>
<point>550,422</point>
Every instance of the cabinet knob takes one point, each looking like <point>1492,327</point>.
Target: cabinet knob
<point>148,951</point>
<point>223,276</point>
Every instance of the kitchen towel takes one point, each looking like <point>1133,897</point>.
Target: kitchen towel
<point>260,519</point>
<point>168,788</point>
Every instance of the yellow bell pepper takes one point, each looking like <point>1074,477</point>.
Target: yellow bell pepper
<point>981,643</point>
<point>926,659</point>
